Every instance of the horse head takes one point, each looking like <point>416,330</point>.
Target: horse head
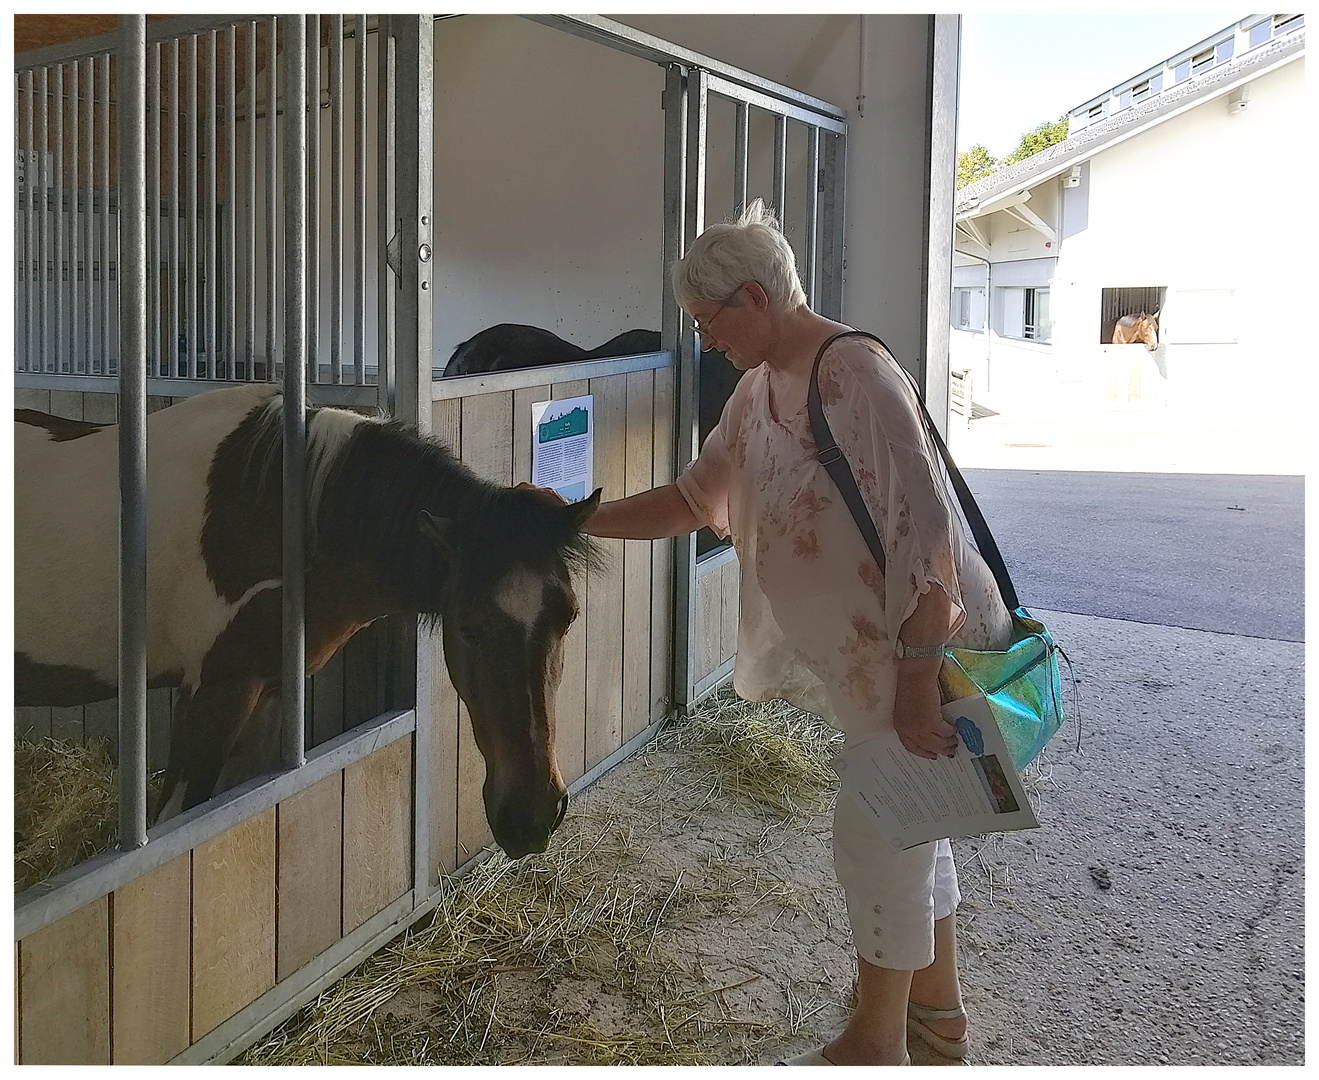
<point>507,604</point>
<point>1142,327</point>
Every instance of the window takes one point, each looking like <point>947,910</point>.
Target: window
<point>1124,100</point>
<point>1223,50</point>
<point>1261,32</point>
<point>1148,88</point>
<point>1095,112</point>
<point>1036,324</point>
<point>1181,72</point>
<point>962,309</point>
<point>1202,61</point>
<point>1132,300</point>
<point>1285,24</point>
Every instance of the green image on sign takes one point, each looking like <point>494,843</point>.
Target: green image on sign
<point>563,427</point>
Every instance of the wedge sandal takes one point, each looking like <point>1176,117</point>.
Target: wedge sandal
<point>917,1017</point>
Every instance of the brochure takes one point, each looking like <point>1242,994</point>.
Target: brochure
<point>915,800</point>
<point>563,446</point>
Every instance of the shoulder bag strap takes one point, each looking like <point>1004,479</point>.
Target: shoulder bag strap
<point>831,457</point>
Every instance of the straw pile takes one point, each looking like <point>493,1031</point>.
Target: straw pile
<point>583,954</point>
<point>66,807</point>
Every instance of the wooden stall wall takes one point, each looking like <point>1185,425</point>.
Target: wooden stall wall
<point>617,656</point>
<point>137,976</point>
<point>717,592</point>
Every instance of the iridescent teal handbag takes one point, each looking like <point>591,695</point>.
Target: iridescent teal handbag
<point>1022,683</point>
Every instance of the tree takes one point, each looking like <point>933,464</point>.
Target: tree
<point>1040,137</point>
<point>974,164</point>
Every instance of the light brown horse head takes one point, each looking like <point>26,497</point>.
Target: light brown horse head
<point>1142,327</point>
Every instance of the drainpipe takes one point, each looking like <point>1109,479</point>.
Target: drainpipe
<point>989,306</point>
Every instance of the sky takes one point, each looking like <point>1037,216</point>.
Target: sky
<point>1019,70</point>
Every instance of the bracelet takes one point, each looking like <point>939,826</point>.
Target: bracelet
<point>912,652</point>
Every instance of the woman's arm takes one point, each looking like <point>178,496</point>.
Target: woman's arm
<point>916,708</point>
<point>650,515</point>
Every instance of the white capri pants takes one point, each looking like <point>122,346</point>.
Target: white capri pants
<point>893,897</point>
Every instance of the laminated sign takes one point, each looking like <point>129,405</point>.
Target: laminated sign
<point>562,446</point>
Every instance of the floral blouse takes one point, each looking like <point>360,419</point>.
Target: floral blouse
<point>818,620</point>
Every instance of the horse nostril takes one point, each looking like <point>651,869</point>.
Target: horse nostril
<point>563,809</point>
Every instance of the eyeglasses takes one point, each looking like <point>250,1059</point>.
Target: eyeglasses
<point>704,331</point>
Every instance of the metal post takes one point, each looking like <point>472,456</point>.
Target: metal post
<point>336,198</point>
<point>387,219</point>
<point>812,213</point>
<point>89,124</point>
<point>43,233</point>
<point>77,356</point>
<point>210,198</point>
<point>780,164</point>
<point>249,206</point>
<point>272,33</point>
<point>30,264</point>
<point>107,249</point>
<point>132,434</point>
<point>192,258</point>
<point>57,138</point>
<point>415,171</point>
<point>231,200</point>
<point>831,248</point>
<point>293,689</point>
<point>740,143</point>
<point>153,209</point>
<point>313,166</point>
<point>174,324</point>
<point>359,205</point>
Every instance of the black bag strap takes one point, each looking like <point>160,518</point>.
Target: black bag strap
<point>831,457</point>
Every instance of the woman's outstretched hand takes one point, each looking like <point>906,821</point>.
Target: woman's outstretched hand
<point>548,494</point>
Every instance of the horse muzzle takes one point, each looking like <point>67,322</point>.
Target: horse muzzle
<point>522,829</point>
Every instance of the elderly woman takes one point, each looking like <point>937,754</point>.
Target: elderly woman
<point>820,625</point>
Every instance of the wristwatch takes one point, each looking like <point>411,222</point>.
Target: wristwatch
<point>908,652</point>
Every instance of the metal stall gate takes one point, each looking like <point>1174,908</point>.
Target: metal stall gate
<point>176,950</point>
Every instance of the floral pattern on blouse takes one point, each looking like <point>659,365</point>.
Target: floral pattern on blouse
<point>818,619</point>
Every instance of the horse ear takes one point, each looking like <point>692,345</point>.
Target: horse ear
<point>440,532</point>
<point>580,512</point>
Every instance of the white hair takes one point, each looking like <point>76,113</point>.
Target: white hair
<point>725,256</point>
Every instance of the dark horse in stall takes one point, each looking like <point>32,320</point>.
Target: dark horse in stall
<point>395,524</point>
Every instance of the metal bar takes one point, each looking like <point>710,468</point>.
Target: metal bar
<point>108,344</point>
<point>210,199</point>
<point>831,254</point>
<point>688,388</point>
<point>157,30</point>
<point>174,325</point>
<point>415,163</point>
<point>30,193</point>
<point>61,356</point>
<point>20,234</point>
<point>780,164</point>
<point>336,199</point>
<point>132,103</point>
<point>77,357</point>
<point>386,149</point>
<point>741,135</point>
<point>359,204</point>
<point>313,167</point>
<point>249,196</point>
<point>230,203</point>
<point>716,85</point>
<point>293,692</point>
<point>812,212</point>
<point>496,382</point>
<point>44,904</point>
<point>346,396</point>
<point>271,159</point>
<point>648,47</point>
<point>43,232</point>
<point>192,258</point>
<point>153,209</point>
<point>88,154</point>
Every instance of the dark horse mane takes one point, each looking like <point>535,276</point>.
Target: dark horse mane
<point>367,483</point>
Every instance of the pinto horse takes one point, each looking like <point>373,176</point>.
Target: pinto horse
<point>1133,328</point>
<point>395,524</point>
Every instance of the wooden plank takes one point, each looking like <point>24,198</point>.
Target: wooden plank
<point>522,402</point>
<point>150,978</point>
<point>473,829</point>
<point>32,399</point>
<point>447,423</point>
<point>487,436</point>
<point>233,921</point>
<point>64,985</point>
<point>661,555</point>
<point>731,587</point>
<point>604,630</point>
<point>66,403</point>
<point>327,701</point>
<point>444,756</point>
<point>100,408</point>
<point>377,832</point>
<point>639,464</point>
<point>309,874</point>
<point>709,620</point>
<point>570,705</point>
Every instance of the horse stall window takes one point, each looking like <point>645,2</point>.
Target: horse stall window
<point>1116,302</point>
<point>1037,325</point>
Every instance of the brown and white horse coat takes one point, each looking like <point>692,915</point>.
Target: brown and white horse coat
<point>395,525</point>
